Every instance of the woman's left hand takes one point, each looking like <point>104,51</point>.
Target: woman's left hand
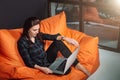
<point>71,41</point>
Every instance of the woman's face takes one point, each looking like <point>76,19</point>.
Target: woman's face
<point>33,31</point>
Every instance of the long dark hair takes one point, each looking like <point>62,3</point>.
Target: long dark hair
<point>30,22</point>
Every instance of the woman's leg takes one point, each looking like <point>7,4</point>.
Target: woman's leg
<point>58,46</point>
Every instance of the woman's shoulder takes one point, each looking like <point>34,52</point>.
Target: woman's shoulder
<point>22,40</point>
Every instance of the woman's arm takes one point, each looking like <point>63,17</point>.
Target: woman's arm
<point>25,56</point>
<point>24,53</point>
<point>68,40</point>
<point>59,37</point>
<point>49,36</point>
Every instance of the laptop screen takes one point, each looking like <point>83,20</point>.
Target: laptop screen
<point>71,59</point>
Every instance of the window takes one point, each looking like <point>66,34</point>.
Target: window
<point>93,17</point>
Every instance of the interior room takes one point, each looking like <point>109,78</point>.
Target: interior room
<point>95,24</point>
<point>100,19</point>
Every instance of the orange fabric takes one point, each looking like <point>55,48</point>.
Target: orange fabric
<point>8,45</point>
<point>13,67</point>
<point>53,25</point>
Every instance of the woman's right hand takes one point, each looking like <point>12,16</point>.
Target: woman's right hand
<point>46,70</point>
<point>43,69</point>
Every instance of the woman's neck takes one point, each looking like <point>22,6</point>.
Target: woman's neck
<point>32,39</point>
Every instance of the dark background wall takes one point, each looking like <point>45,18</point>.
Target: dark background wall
<point>14,12</point>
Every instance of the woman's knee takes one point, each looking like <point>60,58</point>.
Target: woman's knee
<point>58,42</point>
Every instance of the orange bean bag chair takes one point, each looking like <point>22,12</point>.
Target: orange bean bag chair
<point>13,67</point>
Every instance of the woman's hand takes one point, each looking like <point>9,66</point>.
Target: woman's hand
<point>46,70</point>
<point>68,40</point>
<point>71,41</point>
<point>43,69</point>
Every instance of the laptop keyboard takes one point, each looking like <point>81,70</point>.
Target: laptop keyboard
<point>62,66</point>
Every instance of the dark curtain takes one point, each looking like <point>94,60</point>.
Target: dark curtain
<point>14,12</point>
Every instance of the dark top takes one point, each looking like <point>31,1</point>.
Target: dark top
<point>33,53</point>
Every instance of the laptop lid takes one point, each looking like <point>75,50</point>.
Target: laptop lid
<point>71,59</point>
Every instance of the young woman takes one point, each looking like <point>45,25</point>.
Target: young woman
<point>31,47</point>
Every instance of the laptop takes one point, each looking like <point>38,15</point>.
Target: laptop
<point>61,64</point>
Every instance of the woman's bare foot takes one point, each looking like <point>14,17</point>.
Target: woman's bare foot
<point>83,69</point>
